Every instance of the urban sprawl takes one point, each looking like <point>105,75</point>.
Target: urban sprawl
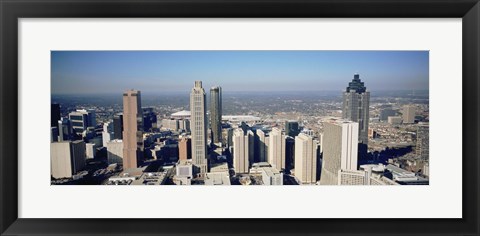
<point>355,141</point>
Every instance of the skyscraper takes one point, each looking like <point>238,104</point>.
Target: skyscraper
<point>118,126</point>
<point>276,149</point>
<point>79,121</point>
<point>92,117</point>
<point>149,118</point>
<point>356,101</point>
<point>216,113</point>
<point>292,128</point>
<point>340,149</point>
<point>54,134</point>
<point>262,145</point>
<point>422,149</point>
<point>242,150</point>
<point>289,152</point>
<point>132,129</point>
<point>306,158</point>
<point>65,131</point>
<point>54,114</point>
<point>184,149</point>
<point>408,114</point>
<point>198,127</point>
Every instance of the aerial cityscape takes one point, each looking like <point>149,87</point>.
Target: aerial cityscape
<point>239,118</point>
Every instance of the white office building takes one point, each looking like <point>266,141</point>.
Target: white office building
<point>67,158</point>
<point>340,149</point>
<point>243,147</point>
<point>115,151</point>
<point>409,114</point>
<point>276,149</point>
<point>107,133</point>
<point>306,158</point>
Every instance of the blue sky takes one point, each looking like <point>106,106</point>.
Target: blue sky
<point>96,72</point>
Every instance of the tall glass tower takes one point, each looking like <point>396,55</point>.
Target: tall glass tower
<point>356,101</point>
<point>198,126</point>
<point>216,113</point>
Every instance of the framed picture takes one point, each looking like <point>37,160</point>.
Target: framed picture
<point>234,117</point>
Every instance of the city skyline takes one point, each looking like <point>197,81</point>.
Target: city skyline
<point>263,137</point>
<point>107,72</point>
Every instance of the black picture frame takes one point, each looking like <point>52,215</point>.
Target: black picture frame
<point>11,11</point>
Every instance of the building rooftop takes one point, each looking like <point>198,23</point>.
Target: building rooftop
<point>338,121</point>
<point>217,178</point>
<point>241,118</point>
<point>183,113</point>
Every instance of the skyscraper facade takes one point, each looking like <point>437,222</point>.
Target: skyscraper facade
<point>79,121</point>
<point>306,158</point>
<point>356,101</point>
<point>67,158</point>
<point>422,148</point>
<point>198,127</point>
<point>132,129</point>
<point>115,151</point>
<point>216,113</point>
<point>149,118</point>
<point>340,149</point>
<point>292,128</point>
<point>54,134</point>
<point>262,145</point>
<point>408,114</point>
<point>107,133</point>
<point>276,149</point>
<point>386,112</point>
<point>184,149</point>
<point>242,150</point>
<point>118,126</point>
<point>54,114</point>
<point>64,129</point>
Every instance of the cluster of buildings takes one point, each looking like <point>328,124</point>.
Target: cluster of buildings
<point>204,147</point>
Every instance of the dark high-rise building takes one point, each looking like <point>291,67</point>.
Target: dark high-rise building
<point>53,134</point>
<point>356,101</point>
<point>289,152</point>
<point>216,113</point>
<point>149,119</point>
<point>54,114</point>
<point>132,129</point>
<point>65,131</point>
<point>292,128</point>
<point>118,126</point>
<point>262,140</point>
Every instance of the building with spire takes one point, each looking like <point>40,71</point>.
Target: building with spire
<point>356,102</point>
<point>198,126</point>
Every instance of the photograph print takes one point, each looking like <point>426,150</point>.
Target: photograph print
<point>239,118</point>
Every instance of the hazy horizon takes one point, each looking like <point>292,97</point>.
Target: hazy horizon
<point>112,72</point>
